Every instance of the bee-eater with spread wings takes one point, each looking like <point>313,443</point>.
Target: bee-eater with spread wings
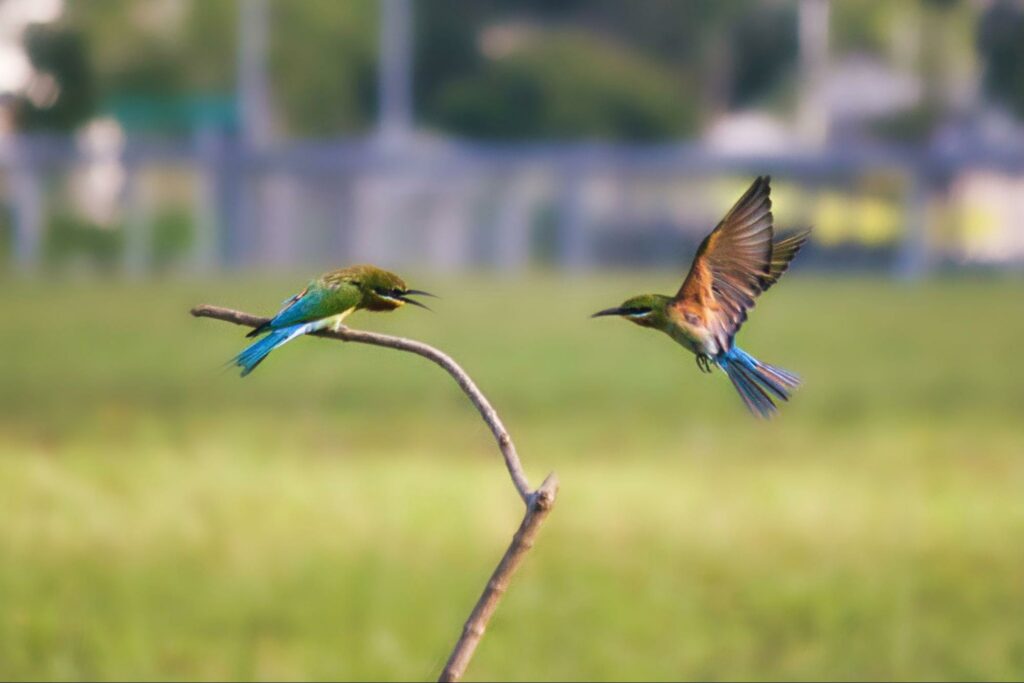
<point>734,264</point>
<point>324,303</point>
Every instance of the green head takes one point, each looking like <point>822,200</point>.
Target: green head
<point>382,290</point>
<point>646,310</point>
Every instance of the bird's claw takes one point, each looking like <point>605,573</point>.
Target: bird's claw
<point>704,362</point>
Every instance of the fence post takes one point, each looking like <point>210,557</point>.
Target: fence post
<point>27,195</point>
<point>514,221</point>
<point>913,260</point>
<point>573,248</point>
<point>137,225</point>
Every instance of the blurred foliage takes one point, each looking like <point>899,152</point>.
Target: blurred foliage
<point>764,50</point>
<point>596,91</point>
<point>159,48</point>
<point>866,25</point>
<point>172,236</point>
<point>71,239</point>
<point>63,83</point>
<point>323,61</point>
<point>1001,42</point>
<point>6,235</point>
<point>322,57</point>
<point>687,60</point>
<point>324,64</point>
<point>734,52</point>
<point>911,126</point>
<point>929,39</point>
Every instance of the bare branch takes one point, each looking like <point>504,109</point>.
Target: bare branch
<point>538,503</point>
<point>487,412</point>
<point>537,511</point>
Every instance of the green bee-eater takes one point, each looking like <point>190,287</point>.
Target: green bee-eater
<point>323,304</point>
<point>734,264</point>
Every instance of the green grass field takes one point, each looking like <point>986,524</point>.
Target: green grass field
<point>336,514</point>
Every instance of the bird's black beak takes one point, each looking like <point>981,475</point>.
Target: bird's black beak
<point>405,297</point>
<point>609,311</point>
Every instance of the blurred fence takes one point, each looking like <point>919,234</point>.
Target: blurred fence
<point>209,201</point>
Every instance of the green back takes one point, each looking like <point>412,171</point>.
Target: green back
<point>359,287</point>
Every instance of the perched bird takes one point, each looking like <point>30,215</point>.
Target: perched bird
<point>734,264</point>
<point>323,304</point>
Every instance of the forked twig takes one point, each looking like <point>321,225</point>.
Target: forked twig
<point>538,503</point>
<point>536,511</point>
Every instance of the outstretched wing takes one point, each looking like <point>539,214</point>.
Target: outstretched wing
<point>783,251</point>
<point>732,266</point>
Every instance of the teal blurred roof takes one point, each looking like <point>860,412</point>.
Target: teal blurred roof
<point>167,113</point>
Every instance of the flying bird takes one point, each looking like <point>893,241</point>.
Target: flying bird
<point>739,260</point>
<point>325,303</point>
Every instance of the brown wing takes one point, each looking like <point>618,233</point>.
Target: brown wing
<point>783,251</point>
<point>732,266</point>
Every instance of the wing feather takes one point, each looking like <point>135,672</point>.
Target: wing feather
<point>783,252</point>
<point>732,265</point>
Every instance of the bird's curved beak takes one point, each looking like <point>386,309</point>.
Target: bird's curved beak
<point>406,299</point>
<point>609,311</point>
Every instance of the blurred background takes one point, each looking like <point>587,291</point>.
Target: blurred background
<point>336,514</point>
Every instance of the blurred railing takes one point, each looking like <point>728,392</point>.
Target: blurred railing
<point>449,204</point>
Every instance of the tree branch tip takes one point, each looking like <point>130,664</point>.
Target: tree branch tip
<point>544,497</point>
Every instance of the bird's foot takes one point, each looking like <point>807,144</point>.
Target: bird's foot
<point>704,362</point>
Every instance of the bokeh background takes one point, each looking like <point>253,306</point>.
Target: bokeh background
<point>336,514</point>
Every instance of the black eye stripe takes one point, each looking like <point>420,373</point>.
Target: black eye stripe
<point>635,310</point>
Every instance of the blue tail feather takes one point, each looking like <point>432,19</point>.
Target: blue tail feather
<point>757,382</point>
<point>253,355</point>
<point>755,398</point>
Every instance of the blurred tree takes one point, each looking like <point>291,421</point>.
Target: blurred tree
<point>566,85</point>
<point>71,238</point>
<point>692,38</point>
<point>1001,44</point>
<point>764,48</point>
<point>159,53</point>
<point>928,40</point>
<point>445,46</point>
<point>173,229</point>
<point>159,48</point>
<point>864,26</point>
<point>324,64</point>
<point>160,63</point>
<point>720,54</point>
<point>61,93</point>
<point>688,60</point>
<point>665,39</point>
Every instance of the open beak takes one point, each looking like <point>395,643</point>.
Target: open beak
<point>406,299</point>
<point>609,311</point>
